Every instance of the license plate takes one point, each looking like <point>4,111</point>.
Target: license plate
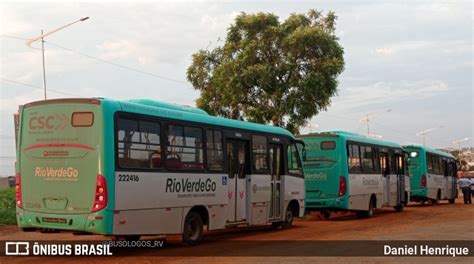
<point>54,220</point>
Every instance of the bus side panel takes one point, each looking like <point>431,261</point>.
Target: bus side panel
<point>434,183</point>
<point>393,190</point>
<point>153,202</point>
<point>408,187</point>
<point>149,221</point>
<point>258,199</point>
<point>294,190</point>
<point>361,187</point>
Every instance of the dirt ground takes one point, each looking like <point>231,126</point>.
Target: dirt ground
<point>417,222</point>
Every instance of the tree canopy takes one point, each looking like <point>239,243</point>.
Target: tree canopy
<point>268,71</point>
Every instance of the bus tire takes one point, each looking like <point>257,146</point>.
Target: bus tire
<point>28,229</point>
<point>289,216</point>
<point>370,212</point>
<point>193,229</point>
<point>451,201</point>
<point>399,207</point>
<point>277,225</point>
<point>406,199</point>
<point>438,198</point>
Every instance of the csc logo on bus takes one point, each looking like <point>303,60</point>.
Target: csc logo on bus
<point>50,122</point>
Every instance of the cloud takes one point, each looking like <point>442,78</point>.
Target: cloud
<point>385,51</point>
<point>13,23</point>
<point>127,50</point>
<point>404,46</point>
<point>388,92</point>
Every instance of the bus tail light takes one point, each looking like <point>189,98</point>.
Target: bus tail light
<point>100,197</point>
<point>19,202</point>
<point>342,186</point>
<point>423,181</point>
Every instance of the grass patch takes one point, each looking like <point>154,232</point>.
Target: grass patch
<point>7,207</point>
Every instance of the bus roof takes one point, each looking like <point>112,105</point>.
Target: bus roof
<point>178,107</point>
<point>351,136</point>
<point>185,113</point>
<point>430,150</point>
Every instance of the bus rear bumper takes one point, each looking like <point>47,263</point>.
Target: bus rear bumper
<point>418,195</point>
<point>339,203</point>
<point>91,223</point>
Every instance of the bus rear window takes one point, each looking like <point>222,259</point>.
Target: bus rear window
<point>326,145</point>
<point>82,119</point>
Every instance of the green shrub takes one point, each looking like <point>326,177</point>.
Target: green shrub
<point>7,207</point>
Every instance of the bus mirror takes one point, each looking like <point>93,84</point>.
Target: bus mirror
<point>304,154</point>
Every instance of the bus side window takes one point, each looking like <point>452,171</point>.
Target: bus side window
<point>429,160</point>
<point>138,144</point>
<point>294,163</point>
<point>400,164</point>
<point>214,150</point>
<point>437,165</point>
<point>445,167</point>
<point>184,148</point>
<point>259,154</point>
<point>367,156</point>
<point>353,158</point>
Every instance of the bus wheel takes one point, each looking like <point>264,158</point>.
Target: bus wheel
<point>451,201</point>
<point>28,229</point>
<point>438,198</point>
<point>127,238</point>
<point>288,218</point>
<point>406,199</point>
<point>326,214</point>
<point>277,225</point>
<point>370,212</point>
<point>399,207</point>
<point>193,229</point>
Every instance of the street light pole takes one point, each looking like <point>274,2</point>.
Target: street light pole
<point>459,141</point>
<point>426,131</point>
<point>367,119</point>
<point>44,67</point>
<point>41,37</point>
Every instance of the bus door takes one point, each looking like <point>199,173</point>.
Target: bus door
<point>400,167</point>
<point>453,176</point>
<point>275,158</point>
<point>449,179</point>
<point>237,169</point>
<point>385,167</point>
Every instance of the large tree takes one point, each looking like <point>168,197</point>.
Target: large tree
<point>271,72</point>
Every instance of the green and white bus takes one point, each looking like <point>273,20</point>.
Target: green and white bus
<point>142,167</point>
<point>432,174</point>
<point>348,171</point>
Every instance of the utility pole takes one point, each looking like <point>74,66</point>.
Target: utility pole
<point>41,37</point>
<point>44,67</point>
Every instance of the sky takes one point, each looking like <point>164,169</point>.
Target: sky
<point>408,64</point>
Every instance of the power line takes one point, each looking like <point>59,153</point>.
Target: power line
<point>104,61</point>
<point>13,37</point>
<point>37,87</point>
<point>117,65</point>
